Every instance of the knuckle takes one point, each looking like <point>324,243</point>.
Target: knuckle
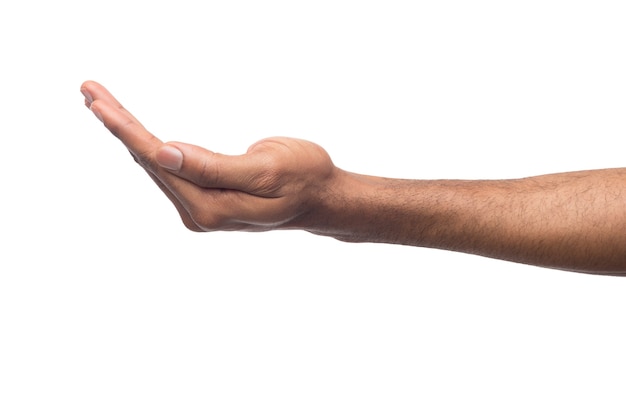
<point>216,213</point>
<point>118,129</point>
<point>190,224</point>
<point>204,170</point>
<point>145,159</point>
<point>209,173</point>
<point>205,220</point>
<point>192,227</point>
<point>270,176</point>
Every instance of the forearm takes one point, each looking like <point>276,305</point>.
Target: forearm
<point>574,221</point>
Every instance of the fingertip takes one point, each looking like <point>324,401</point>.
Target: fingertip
<point>84,89</point>
<point>170,157</point>
<point>87,95</point>
<point>89,84</point>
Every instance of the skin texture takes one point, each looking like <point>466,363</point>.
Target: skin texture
<point>574,221</point>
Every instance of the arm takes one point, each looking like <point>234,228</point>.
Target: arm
<point>574,221</point>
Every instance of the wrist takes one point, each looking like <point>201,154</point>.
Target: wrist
<point>355,208</point>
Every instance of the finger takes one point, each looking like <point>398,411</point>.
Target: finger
<point>213,170</point>
<point>120,122</point>
<point>184,214</point>
<point>132,133</point>
<point>211,209</point>
<point>95,91</point>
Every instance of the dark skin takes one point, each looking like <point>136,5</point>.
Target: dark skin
<point>573,221</point>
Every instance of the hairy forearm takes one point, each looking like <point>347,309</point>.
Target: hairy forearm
<point>574,221</point>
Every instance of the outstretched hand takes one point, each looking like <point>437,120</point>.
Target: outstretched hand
<point>278,183</point>
<point>573,221</point>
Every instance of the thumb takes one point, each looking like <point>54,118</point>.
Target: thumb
<point>209,169</point>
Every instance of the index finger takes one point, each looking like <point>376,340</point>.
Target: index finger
<point>119,121</point>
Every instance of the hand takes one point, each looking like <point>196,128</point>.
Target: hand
<point>278,183</point>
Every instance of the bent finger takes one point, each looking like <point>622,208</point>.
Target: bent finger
<point>185,216</point>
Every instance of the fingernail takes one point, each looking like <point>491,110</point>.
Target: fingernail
<point>87,96</point>
<point>170,157</point>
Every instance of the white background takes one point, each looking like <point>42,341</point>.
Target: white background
<point>110,307</point>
